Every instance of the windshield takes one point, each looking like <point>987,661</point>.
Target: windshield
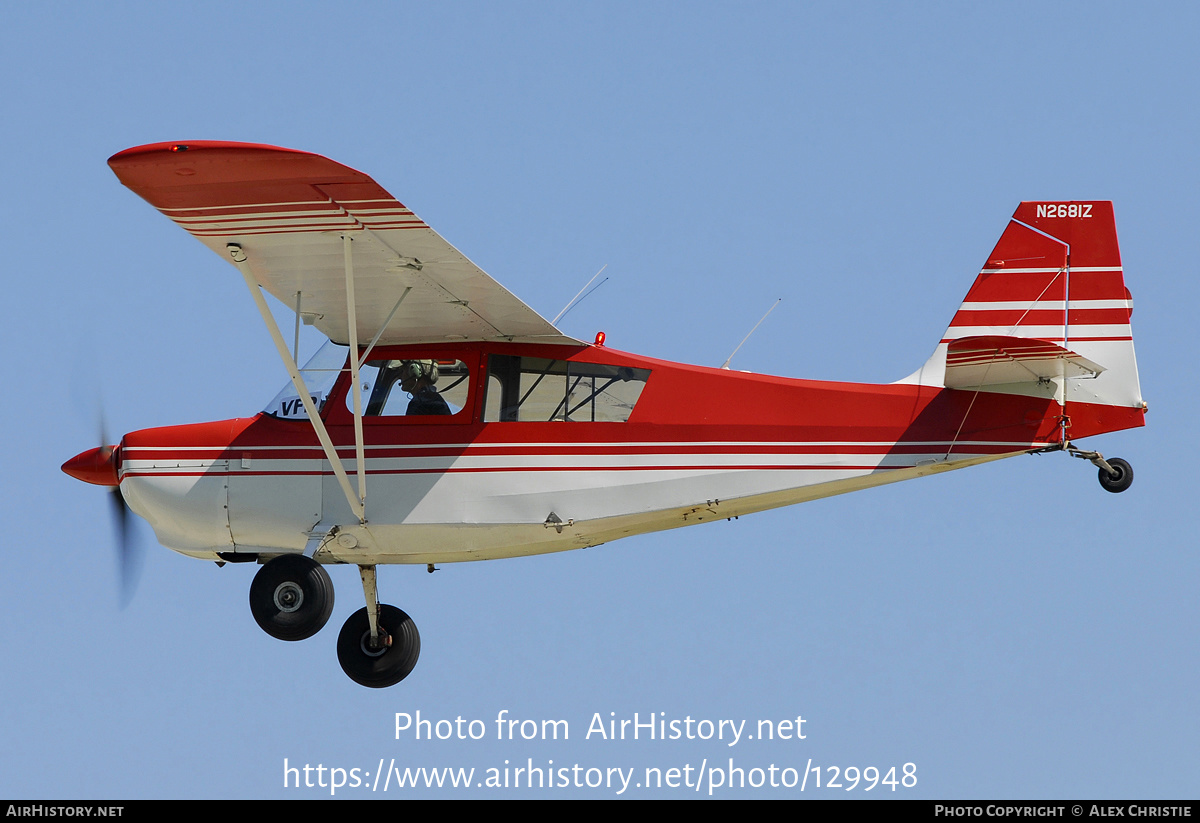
<point>319,375</point>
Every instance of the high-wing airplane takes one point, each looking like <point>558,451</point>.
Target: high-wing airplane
<point>444,420</point>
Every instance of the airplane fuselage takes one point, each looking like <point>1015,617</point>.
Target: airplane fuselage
<point>696,444</point>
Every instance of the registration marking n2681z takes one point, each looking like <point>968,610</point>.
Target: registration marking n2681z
<point>1064,210</point>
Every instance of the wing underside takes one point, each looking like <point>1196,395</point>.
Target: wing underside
<point>289,212</point>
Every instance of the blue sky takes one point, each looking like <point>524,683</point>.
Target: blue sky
<point>1012,630</point>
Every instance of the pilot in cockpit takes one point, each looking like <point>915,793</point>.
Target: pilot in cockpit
<point>417,378</point>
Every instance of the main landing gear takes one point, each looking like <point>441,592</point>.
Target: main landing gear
<point>385,659</point>
<point>379,644</point>
<point>291,598</point>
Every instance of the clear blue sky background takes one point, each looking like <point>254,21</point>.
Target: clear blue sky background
<point>1012,629</point>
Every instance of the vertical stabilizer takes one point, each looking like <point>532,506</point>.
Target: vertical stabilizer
<point>1055,276</point>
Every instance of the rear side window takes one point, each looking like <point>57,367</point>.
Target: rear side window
<point>535,389</point>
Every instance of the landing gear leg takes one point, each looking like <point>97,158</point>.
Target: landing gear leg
<point>379,644</point>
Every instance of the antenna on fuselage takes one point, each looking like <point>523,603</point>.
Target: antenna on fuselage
<point>725,365</point>
<point>576,300</point>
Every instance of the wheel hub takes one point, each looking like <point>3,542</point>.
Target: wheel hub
<point>289,597</point>
<point>377,650</point>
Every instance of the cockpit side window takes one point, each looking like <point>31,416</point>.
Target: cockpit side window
<point>413,388</point>
<point>532,388</point>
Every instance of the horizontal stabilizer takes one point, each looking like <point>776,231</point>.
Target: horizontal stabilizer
<point>974,362</point>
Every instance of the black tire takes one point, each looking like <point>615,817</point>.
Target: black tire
<point>1119,482</point>
<point>291,597</point>
<point>378,670</point>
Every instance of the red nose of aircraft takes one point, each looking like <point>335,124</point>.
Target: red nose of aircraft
<point>98,465</point>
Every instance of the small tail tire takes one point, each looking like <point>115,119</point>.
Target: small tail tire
<point>387,666</point>
<point>291,597</point>
<point>1121,479</point>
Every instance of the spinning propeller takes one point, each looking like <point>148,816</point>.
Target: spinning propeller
<point>101,466</point>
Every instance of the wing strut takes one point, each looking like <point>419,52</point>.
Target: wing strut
<point>241,261</point>
<point>355,384</point>
<point>356,362</point>
<point>382,328</point>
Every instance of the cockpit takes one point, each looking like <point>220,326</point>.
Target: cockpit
<point>431,384</point>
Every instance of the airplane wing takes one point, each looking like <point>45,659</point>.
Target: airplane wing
<point>289,210</point>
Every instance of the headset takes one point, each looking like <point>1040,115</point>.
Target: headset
<point>416,369</point>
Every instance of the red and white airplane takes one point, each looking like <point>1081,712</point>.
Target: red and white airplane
<point>446,421</point>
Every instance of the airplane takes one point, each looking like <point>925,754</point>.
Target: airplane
<point>446,421</point>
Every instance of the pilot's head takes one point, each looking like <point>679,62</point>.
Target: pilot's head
<point>416,375</point>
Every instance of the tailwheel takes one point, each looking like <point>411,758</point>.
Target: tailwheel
<point>385,662</point>
<point>1116,475</point>
<point>1120,478</point>
<point>291,597</point>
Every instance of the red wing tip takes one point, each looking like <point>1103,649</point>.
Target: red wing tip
<point>181,146</point>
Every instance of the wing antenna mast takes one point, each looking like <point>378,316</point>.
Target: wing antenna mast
<point>577,299</point>
<point>725,365</point>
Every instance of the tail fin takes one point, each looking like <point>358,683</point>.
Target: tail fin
<point>1054,277</point>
